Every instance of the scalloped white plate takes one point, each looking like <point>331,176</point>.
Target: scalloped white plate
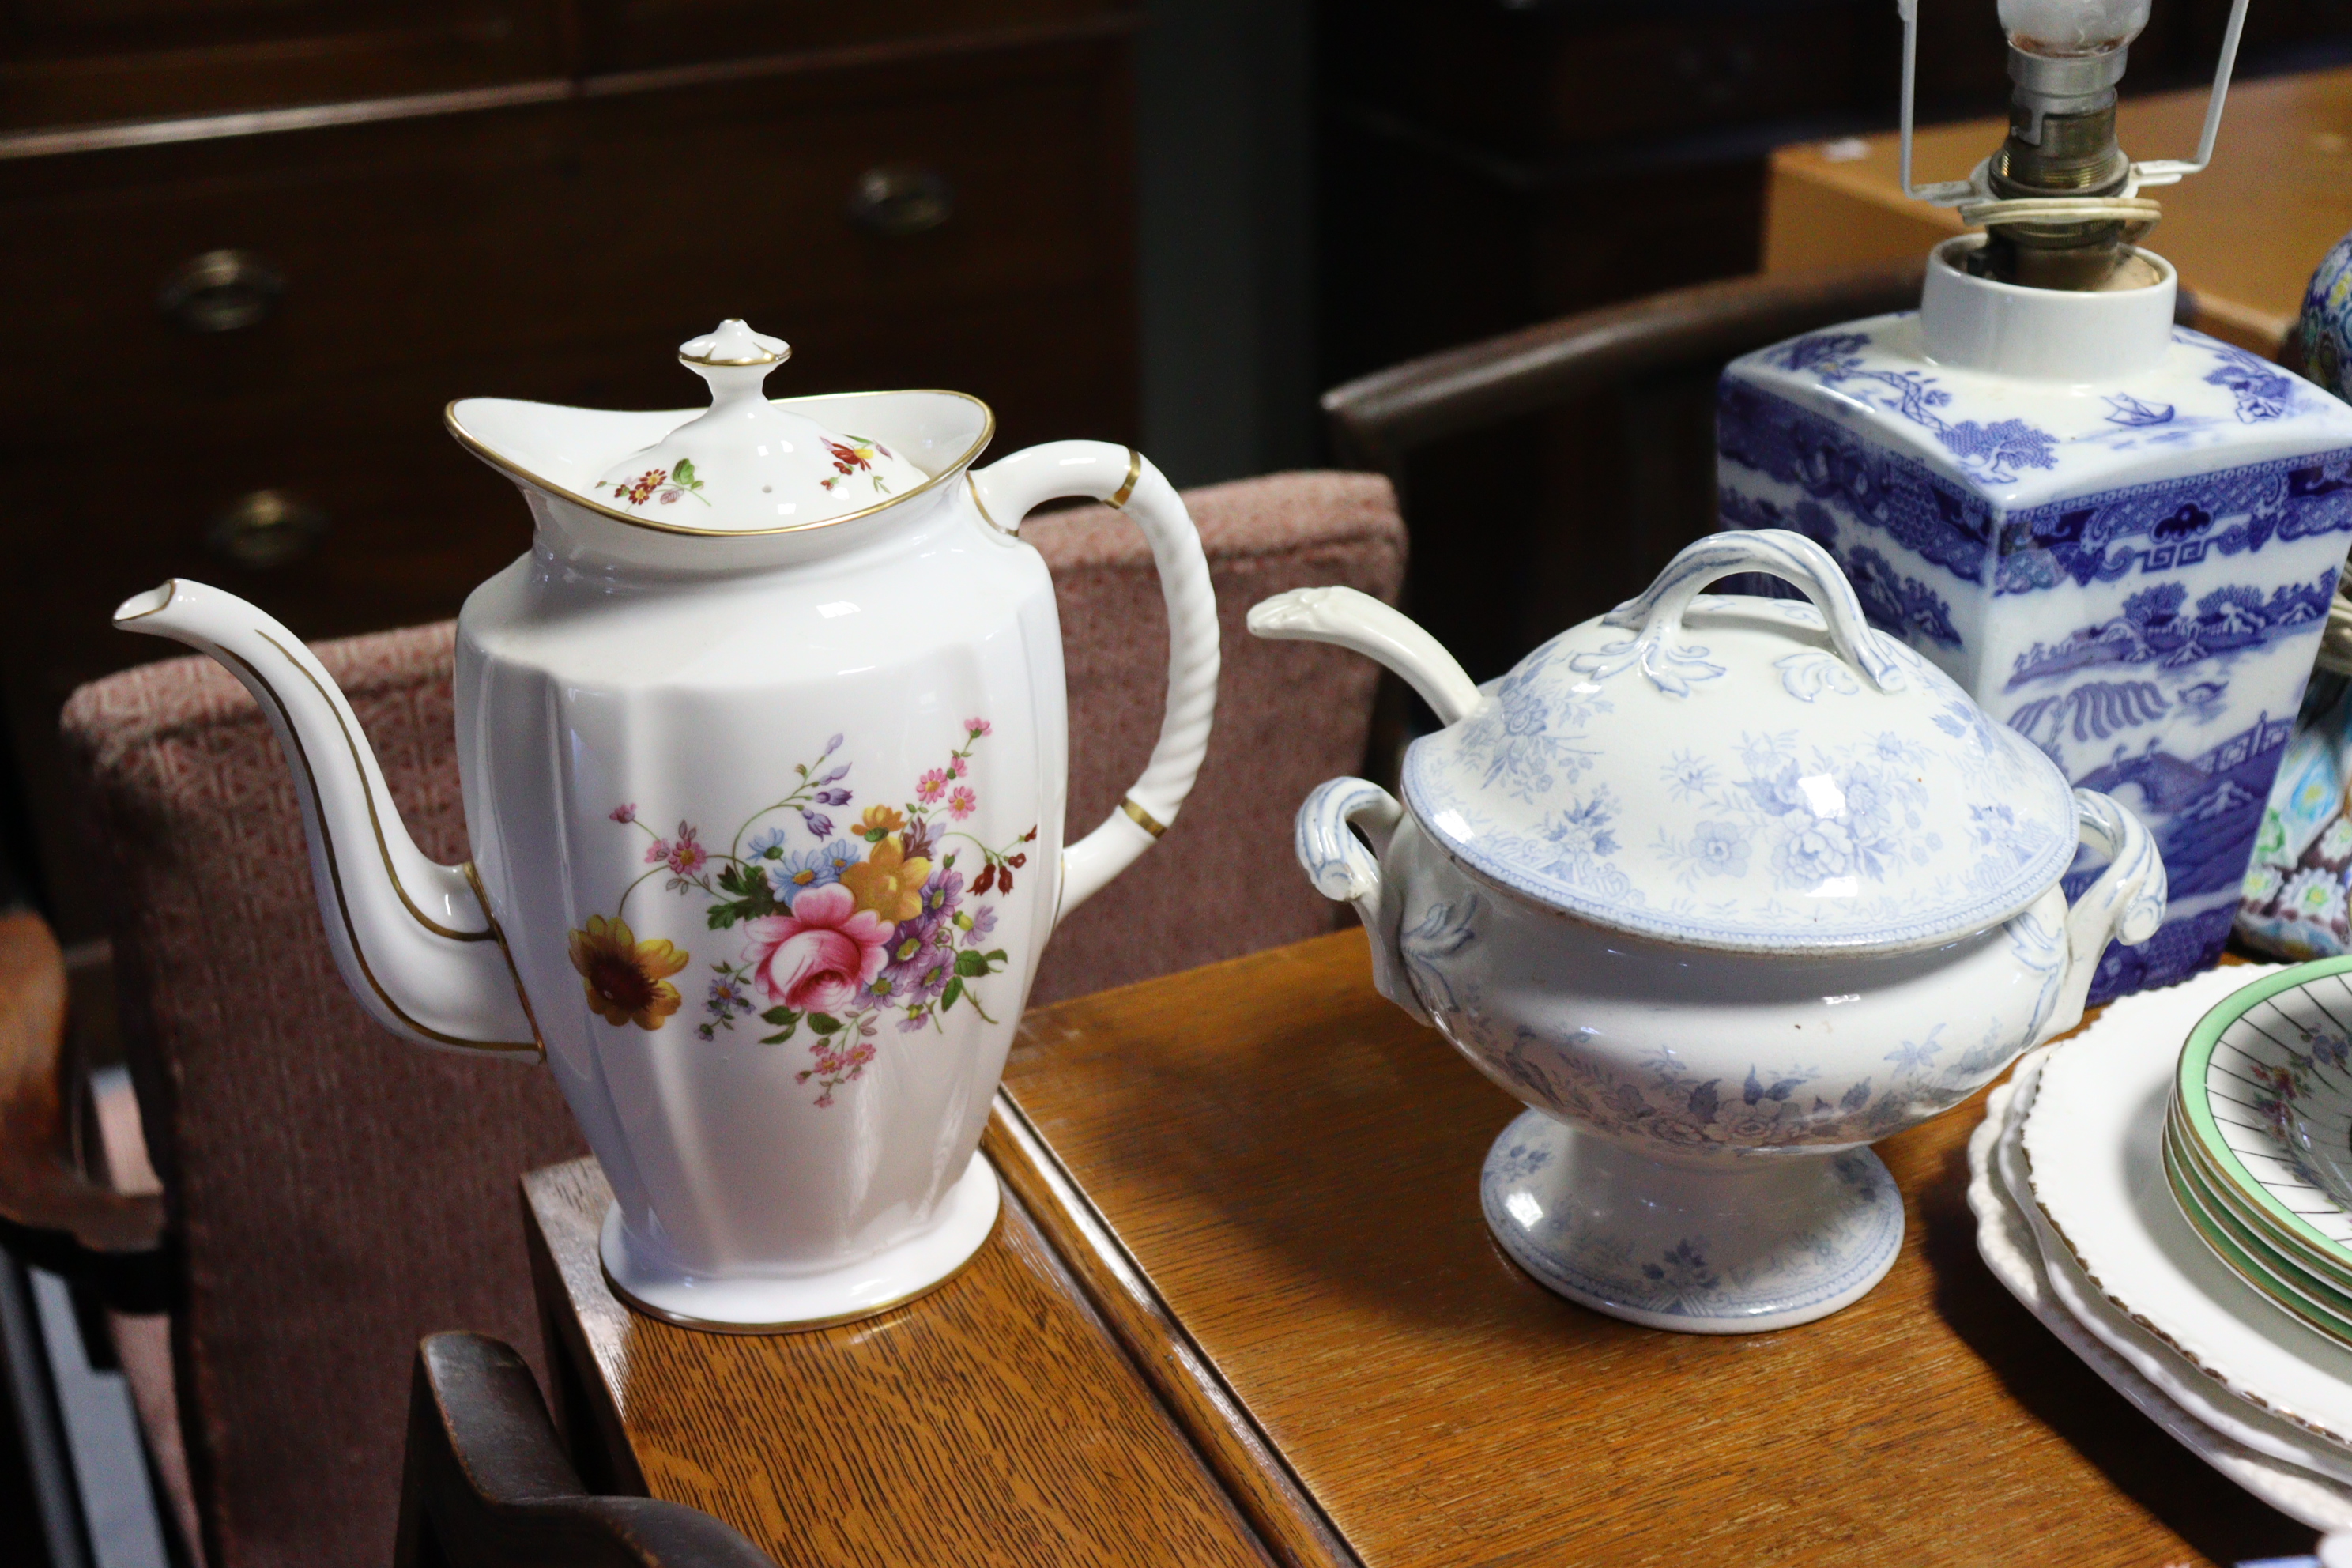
<point>2092,1160</point>
<point>2179,1399</point>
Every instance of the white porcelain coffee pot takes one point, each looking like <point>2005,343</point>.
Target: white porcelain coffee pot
<point>765,752</point>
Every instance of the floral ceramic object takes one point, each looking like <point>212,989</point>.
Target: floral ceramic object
<point>1814,899</point>
<point>1822,803</point>
<point>2293,902</point>
<point>2325,330</point>
<point>753,464</point>
<point>2128,561</point>
<point>819,1164</point>
<point>840,930</point>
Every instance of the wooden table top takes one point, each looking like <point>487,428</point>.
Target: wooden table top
<point>2245,233</point>
<point>1259,1182</point>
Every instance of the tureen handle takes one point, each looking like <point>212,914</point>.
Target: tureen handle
<point>2126,904</point>
<point>1010,488</point>
<point>1344,871</point>
<point>1657,614</point>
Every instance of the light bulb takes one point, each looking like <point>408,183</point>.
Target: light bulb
<point>2062,27</point>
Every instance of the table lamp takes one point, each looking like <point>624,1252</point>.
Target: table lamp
<point>2120,536</point>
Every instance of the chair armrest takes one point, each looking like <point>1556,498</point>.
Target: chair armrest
<point>487,1485</point>
<point>42,1187</point>
<point>1379,418</point>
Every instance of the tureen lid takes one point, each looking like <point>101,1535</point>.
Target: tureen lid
<point>1743,773</point>
<point>746,463</point>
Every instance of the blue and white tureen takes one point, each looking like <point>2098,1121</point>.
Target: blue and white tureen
<point>1726,889</point>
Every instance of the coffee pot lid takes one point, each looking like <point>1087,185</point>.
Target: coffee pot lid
<point>1747,774</point>
<point>745,463</point>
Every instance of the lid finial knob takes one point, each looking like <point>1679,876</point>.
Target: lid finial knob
<point>734,343</point>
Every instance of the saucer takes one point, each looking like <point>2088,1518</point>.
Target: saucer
<point>2264,1091</point>
<point>2245,1254</point>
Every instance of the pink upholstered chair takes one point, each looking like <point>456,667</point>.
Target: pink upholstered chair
<point>334,1194</point>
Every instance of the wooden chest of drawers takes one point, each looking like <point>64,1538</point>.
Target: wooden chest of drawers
<point>235,336</point>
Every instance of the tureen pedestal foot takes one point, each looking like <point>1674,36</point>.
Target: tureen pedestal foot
<point>1721,1246</point>
<point>770,1304</point>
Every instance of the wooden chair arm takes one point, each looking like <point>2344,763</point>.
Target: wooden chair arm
<point>1376,420</point>
<point>42,1187</point>
<point>487,1485</point>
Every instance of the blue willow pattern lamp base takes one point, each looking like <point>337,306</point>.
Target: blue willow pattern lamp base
<point>2130,563</point>
<point>1722,1245</point>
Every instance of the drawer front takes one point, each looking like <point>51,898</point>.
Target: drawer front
<point>79,62</point>
<point>378,250</point>
<point>638,35</point>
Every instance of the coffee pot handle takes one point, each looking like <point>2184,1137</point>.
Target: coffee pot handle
<point>1007,491</point>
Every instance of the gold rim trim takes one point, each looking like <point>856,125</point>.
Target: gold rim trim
<point>1134,472</point>
<point>375,818</point>
<point>335,876</point>
<point>1143,819</point>
<point>171,592</point>
<point>736,363</point>
<point>530,1015</point>
<point>802,1326</point>
<point>514,471</point>
<point>981,507</point>
<point>2083,1266</point>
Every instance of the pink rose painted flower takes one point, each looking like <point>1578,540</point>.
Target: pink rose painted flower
<point>931,785</point>
<point>955,766</point>
<point>977,726</point>
<point>814,959</point>
<point>960,803</point>
<point>625,813</point>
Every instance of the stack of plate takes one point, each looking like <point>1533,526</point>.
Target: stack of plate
<point>2074,1181</point>
<point>2258,1139</point>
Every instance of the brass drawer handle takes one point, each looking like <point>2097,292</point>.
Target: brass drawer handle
<point>222,291</point>
<point>895,200</point>
<point>265,528</point>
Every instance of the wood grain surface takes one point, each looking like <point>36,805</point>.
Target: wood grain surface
<point>994,1421</point>
<point>1289,1167</point>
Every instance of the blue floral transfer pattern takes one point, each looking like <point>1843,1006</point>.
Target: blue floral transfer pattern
<point>1754,834</point>
<point>2151,635</point>
<point>1624,1265</point>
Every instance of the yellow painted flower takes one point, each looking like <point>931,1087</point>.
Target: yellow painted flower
<point>887,882</point>
<point>878,822</point>
<point>626,980</point>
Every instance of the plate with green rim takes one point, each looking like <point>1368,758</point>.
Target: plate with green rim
<point>2273,1062</point>
<point>2308,1301</point>
<point>2182,1142</point>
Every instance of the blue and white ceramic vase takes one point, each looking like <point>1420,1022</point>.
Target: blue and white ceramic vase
<point>2119,536</point>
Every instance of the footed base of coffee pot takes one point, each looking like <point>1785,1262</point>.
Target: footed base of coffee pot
<point>778,1304</point>
<point>1722,1247</point>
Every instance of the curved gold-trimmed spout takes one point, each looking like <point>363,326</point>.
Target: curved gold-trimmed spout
<point>412,937</point>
